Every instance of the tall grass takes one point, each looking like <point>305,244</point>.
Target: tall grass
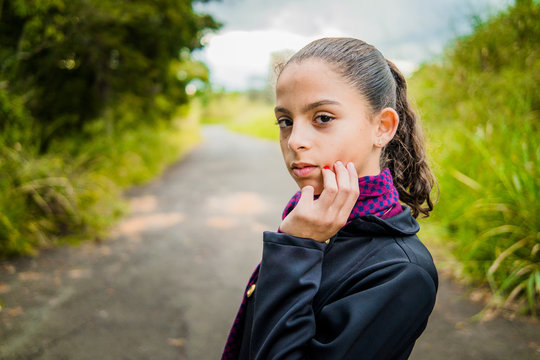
<point>481,105</point>
<point>73,191</point>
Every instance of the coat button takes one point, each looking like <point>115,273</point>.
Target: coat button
<point>250,290</point>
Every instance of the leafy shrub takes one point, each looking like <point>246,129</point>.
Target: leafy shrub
<point>65,196</point>
<point>89,104</point>
<point>71,61</point>
<point>481,105</point>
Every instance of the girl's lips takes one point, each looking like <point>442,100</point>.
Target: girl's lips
<point>303,171</point>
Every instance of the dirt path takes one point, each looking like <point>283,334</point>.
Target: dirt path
<point>167,283</point>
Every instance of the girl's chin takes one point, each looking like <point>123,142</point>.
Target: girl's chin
<point>318,187</point>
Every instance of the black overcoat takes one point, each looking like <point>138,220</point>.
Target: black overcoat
<point>367,294</point>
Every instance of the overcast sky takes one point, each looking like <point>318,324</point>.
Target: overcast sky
<point>407,32</point>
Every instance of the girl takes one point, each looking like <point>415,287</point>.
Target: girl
<point>345,276</point>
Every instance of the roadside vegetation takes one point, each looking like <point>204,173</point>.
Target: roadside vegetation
<point>92,100</point>
<point>480,106</point>
<point>249,112</point>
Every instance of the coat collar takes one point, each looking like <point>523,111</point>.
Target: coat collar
<point>402,224</point>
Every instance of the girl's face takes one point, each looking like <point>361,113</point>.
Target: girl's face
<point>323,119</point>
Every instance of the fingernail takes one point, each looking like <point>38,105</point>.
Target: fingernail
<point>327,167</point>
<point>339,163</point>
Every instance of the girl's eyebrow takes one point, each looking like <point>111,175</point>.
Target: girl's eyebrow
<point>308,107</point>
<point>319,103</point>
<point>281,110</point>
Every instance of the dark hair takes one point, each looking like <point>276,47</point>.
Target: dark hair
<point>382,85</point>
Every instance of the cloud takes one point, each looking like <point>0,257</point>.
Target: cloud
<point>406,32</point>
<point>241,59</point>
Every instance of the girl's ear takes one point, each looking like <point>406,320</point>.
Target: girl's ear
<point>387,124</point>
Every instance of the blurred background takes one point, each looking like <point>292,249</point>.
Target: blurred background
<point>99,96</point>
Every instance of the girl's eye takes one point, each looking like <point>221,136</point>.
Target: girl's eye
<point>283,123</point>
<point>323,119</point>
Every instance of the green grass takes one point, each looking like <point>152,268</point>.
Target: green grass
<point>481,107</point>
<point>240,113</point>
<point>74,191</point>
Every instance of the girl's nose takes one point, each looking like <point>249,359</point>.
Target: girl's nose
<point>299,137</point>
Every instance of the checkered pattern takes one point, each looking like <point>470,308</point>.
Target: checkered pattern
<point>378,197</point>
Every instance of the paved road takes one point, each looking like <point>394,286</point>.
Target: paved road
<point>167,282</point>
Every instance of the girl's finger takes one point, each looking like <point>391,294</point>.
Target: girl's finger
<point>344,185</point>
<point>352,173</point>
<point>342,175</point>
<point>353,192</point>
<point>306,197</point>
<point>330,188</point>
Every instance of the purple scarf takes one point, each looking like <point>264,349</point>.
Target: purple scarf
<point>378,197</point>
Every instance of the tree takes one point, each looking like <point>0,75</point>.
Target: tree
<point>71,60</point>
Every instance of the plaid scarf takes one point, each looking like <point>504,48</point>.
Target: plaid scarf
<point>378,197</point>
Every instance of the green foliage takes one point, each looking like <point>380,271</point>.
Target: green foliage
<point>70,61</point>
<point>57,198</point>
<point>16,124</point>
<point>246,113</point>
<point>482,108</point>
<point>91,96</point>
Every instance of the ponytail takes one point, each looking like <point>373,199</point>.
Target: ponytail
<point>405,156</point>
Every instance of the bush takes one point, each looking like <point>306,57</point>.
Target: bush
<point>481,105</point>
<point>74,194</point>
<point>71,61</point>
<point>89,104</point>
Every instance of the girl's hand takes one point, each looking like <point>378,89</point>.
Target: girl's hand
<point>322,218</point>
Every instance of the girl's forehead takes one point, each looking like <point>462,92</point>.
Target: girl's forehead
<point>313,77</point>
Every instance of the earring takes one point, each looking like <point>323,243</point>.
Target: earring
<point>379,142</point>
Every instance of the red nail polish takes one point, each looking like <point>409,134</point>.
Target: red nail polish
<point>327,167</point>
